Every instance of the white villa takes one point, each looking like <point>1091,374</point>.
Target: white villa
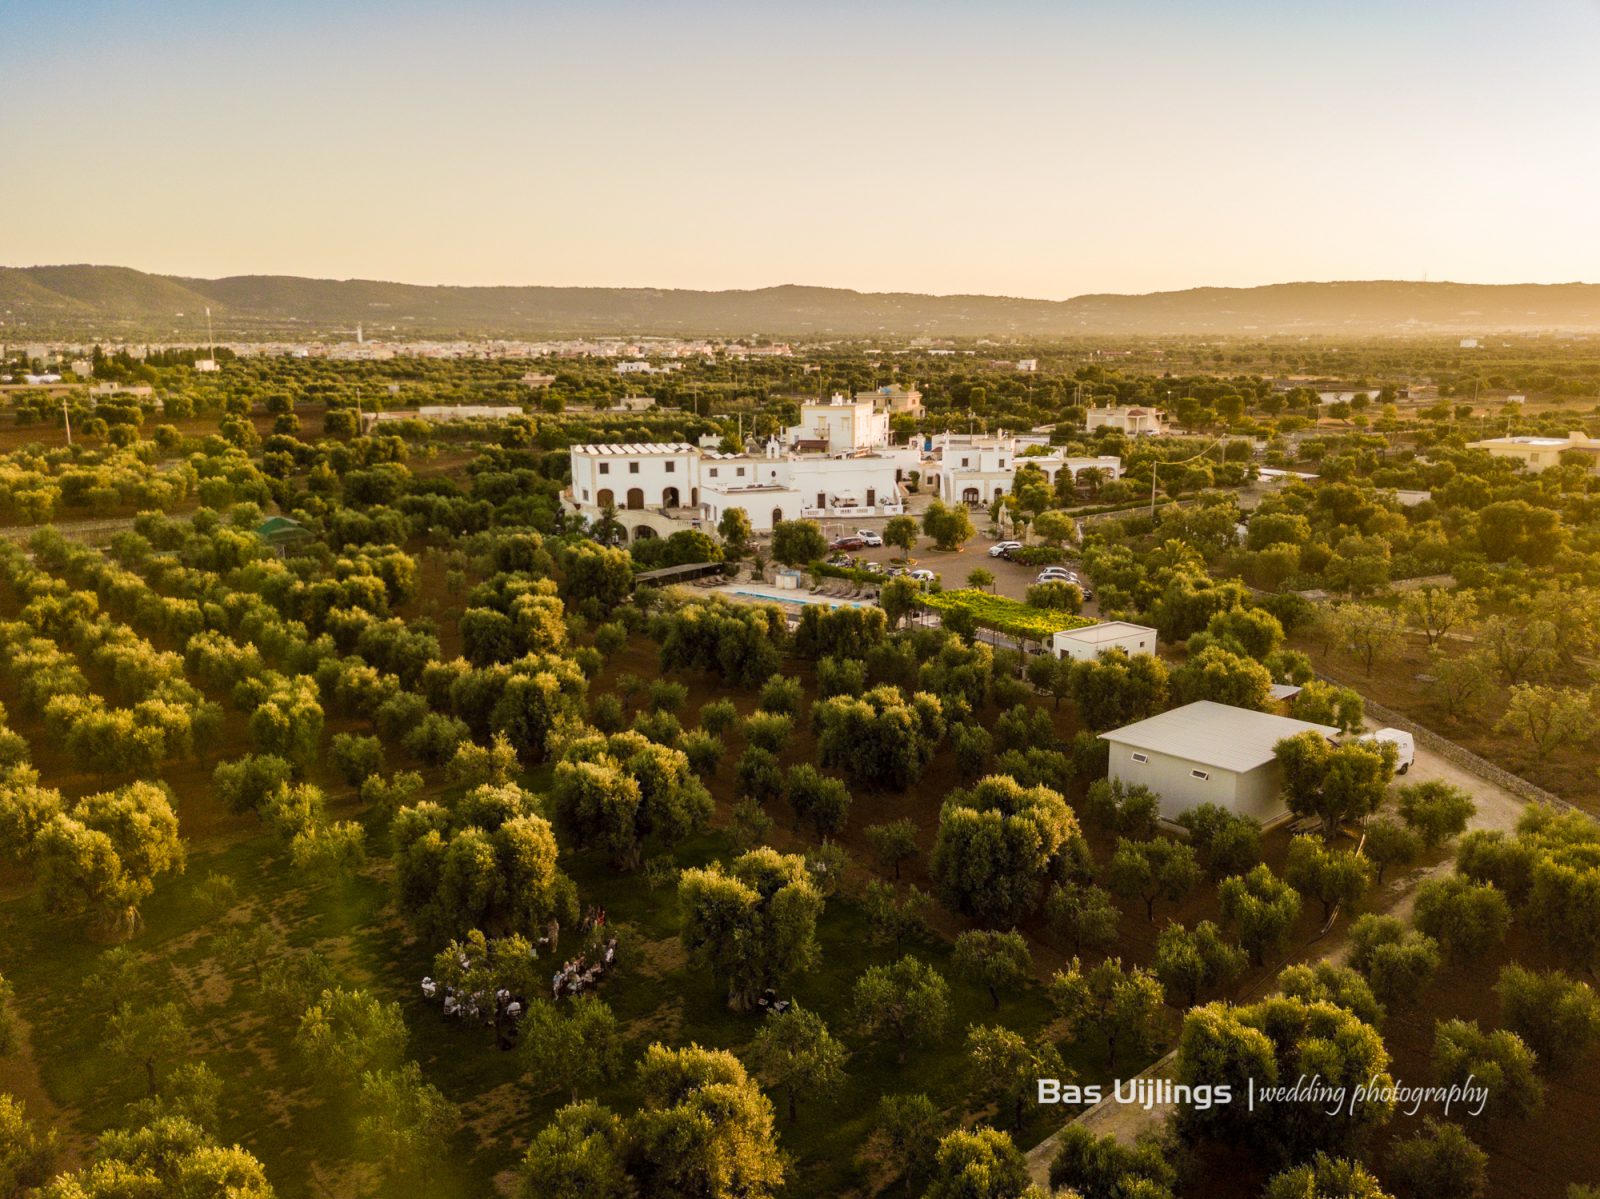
<point>839,424</point>
<point>895,401</point>
<point>1133,421</point>
<point>836,464</point>
<point>1540,453</point>
<point>974,470</point>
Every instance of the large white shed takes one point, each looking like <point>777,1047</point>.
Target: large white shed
<point>1207,752</point>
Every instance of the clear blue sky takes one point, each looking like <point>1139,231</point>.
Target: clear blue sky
<point>1028,148</point>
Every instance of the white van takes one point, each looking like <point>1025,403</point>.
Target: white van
<point>1403,742</point>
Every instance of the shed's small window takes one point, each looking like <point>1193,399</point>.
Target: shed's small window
<point>1138,757</point>
<point>1199,774</point>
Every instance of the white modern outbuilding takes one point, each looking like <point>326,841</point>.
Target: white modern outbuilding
<point>1095,639</point>
<point>1207,752</point>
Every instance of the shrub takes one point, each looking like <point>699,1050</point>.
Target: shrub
<point>435,738</point>
<point>817,800</point>
<point>781,694</point>
<point>757,775</point>
<point>661,727</point>
<point>770,731</point>
<point>704,751</point>
<point>718,716</point>
<point>356,758</point>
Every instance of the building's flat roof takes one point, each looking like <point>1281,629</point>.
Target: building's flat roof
<point>1214,734</point>
<point>651,447</point>
<point>1106,630</point>
<point>1534,441</point>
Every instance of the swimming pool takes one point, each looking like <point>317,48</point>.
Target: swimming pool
<point>779,598</point>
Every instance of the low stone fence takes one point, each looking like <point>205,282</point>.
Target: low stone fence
<point>1461,756</point>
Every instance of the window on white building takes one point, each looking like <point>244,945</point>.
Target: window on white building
<point>739,471</point>
<point>1139,757</point>
<point>605,468</point>
<point>633,468</point>
<point>671,466</point>
<point>712,472</point>
<point>1199,774</point>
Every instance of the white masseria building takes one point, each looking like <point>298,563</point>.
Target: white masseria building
<point>974,470</point>
<point>836,464</point>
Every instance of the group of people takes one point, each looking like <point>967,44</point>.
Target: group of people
<point>581,974</point>
<point>769,1001</point>
<point>476,1005</point>
<point>505,1008</point>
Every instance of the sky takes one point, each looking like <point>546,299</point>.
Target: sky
<point>1042,148</point>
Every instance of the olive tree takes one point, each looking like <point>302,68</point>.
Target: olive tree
<point>998,845</point>
<point>753,923</point>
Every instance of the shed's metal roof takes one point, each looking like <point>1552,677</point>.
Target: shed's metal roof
<point>1107,630</point>
<point>1214,734</point>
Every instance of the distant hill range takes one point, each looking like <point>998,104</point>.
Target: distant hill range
<point>116,302</point>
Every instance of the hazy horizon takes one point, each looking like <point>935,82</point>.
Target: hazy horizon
<point>797,283</point>
<point>1016,149</point>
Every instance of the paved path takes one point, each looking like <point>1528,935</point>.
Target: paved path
<point>1497,809</point>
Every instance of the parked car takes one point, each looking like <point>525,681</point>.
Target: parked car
<point>849,543</point>
<point>1055,574</point>
<point>894,572</point>
<point>1001,548</point>
<point>841,560</point>
<point>923,575</point>
<point>1403,742</point>
<point>872,568</point>
<point>868,537</point>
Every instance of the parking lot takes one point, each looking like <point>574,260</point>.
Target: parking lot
<point>1010,578</point>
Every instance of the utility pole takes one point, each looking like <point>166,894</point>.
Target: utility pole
<point>66,418</point>
<point>1156,465</point>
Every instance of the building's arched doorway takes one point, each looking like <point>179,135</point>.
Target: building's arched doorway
<point>669,497</point>
<point>605,499</point>
<point>643,533</point>
<point>635,498</point>
<point>969,495</point>
<point>777,515</point>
